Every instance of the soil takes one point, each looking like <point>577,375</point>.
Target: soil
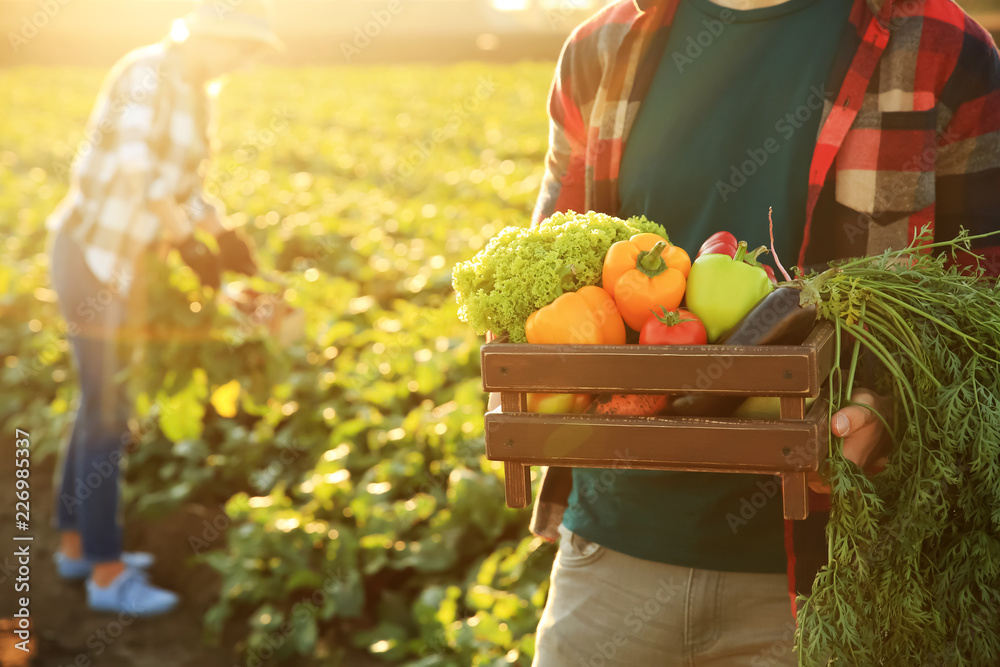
<point>65,633</point>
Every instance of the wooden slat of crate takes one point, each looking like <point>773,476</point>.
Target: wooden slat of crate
<point>517,477</point>
<point>790,447</point>
<point>795,486</point>
<point>661,443</point>
<point>771,370</point>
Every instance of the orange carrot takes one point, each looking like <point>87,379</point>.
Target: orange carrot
<point>636,405</point>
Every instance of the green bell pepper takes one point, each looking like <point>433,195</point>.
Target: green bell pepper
<point>722,289</point>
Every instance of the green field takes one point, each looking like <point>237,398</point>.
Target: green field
<point>354,463</point>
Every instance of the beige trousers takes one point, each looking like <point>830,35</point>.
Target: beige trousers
<point>606,609</point>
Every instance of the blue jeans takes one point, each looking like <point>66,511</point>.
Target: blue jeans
<point>88,492</point>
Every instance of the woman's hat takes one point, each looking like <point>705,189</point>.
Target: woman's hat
<point>233,19</point>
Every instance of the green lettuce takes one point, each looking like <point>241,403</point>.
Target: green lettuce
<point>522,269</point>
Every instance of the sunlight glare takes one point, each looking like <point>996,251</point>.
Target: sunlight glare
<point>179,31</point>
<point>510,5</point>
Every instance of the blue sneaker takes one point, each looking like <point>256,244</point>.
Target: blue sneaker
<point>77,569</point>
<point>131,593</point>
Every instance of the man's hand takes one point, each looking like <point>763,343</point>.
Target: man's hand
<point>864,434</point>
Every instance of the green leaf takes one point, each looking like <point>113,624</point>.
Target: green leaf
<point>181,415</point>
<point>225,399</point>
<point>303,579</point>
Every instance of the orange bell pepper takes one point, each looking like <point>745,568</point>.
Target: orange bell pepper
<point>584,317</point>
<point>643,273</point>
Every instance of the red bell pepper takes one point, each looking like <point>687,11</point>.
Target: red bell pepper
<point>724,243</point>
<point>721,243</point>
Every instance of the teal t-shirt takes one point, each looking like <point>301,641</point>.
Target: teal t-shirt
<point>726,130</point>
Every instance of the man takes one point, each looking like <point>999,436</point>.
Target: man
<point>138,183</point>
<point>859,121</point>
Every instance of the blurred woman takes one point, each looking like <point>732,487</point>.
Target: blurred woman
<point>137,183</point>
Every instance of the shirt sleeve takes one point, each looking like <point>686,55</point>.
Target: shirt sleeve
<point>968,159</point>
<point>563,184</point>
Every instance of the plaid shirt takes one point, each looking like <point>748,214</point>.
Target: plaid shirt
<point>910,136</point>
<point>146,140</point>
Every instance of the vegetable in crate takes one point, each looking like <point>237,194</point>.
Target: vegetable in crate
<point>629,405</point>
<point>667,328</point>
<point>719,243</point>
<point>585,317</point>
<point>522,269</point>
<point>913,576</point>
<point>778,319</point>
<point>643,273</point>
<point>724,243</point>
<point>678,327</point>
<point>722,289</point>
<point>558,403</point>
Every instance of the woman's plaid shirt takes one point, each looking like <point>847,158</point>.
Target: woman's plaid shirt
<point>146,140</point>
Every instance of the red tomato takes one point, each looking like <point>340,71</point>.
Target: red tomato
<point>679,327</point>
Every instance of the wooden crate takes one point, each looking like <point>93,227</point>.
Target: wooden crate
<point>790,447</point>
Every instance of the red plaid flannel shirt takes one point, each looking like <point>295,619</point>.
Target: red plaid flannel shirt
<point>910,138</point>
